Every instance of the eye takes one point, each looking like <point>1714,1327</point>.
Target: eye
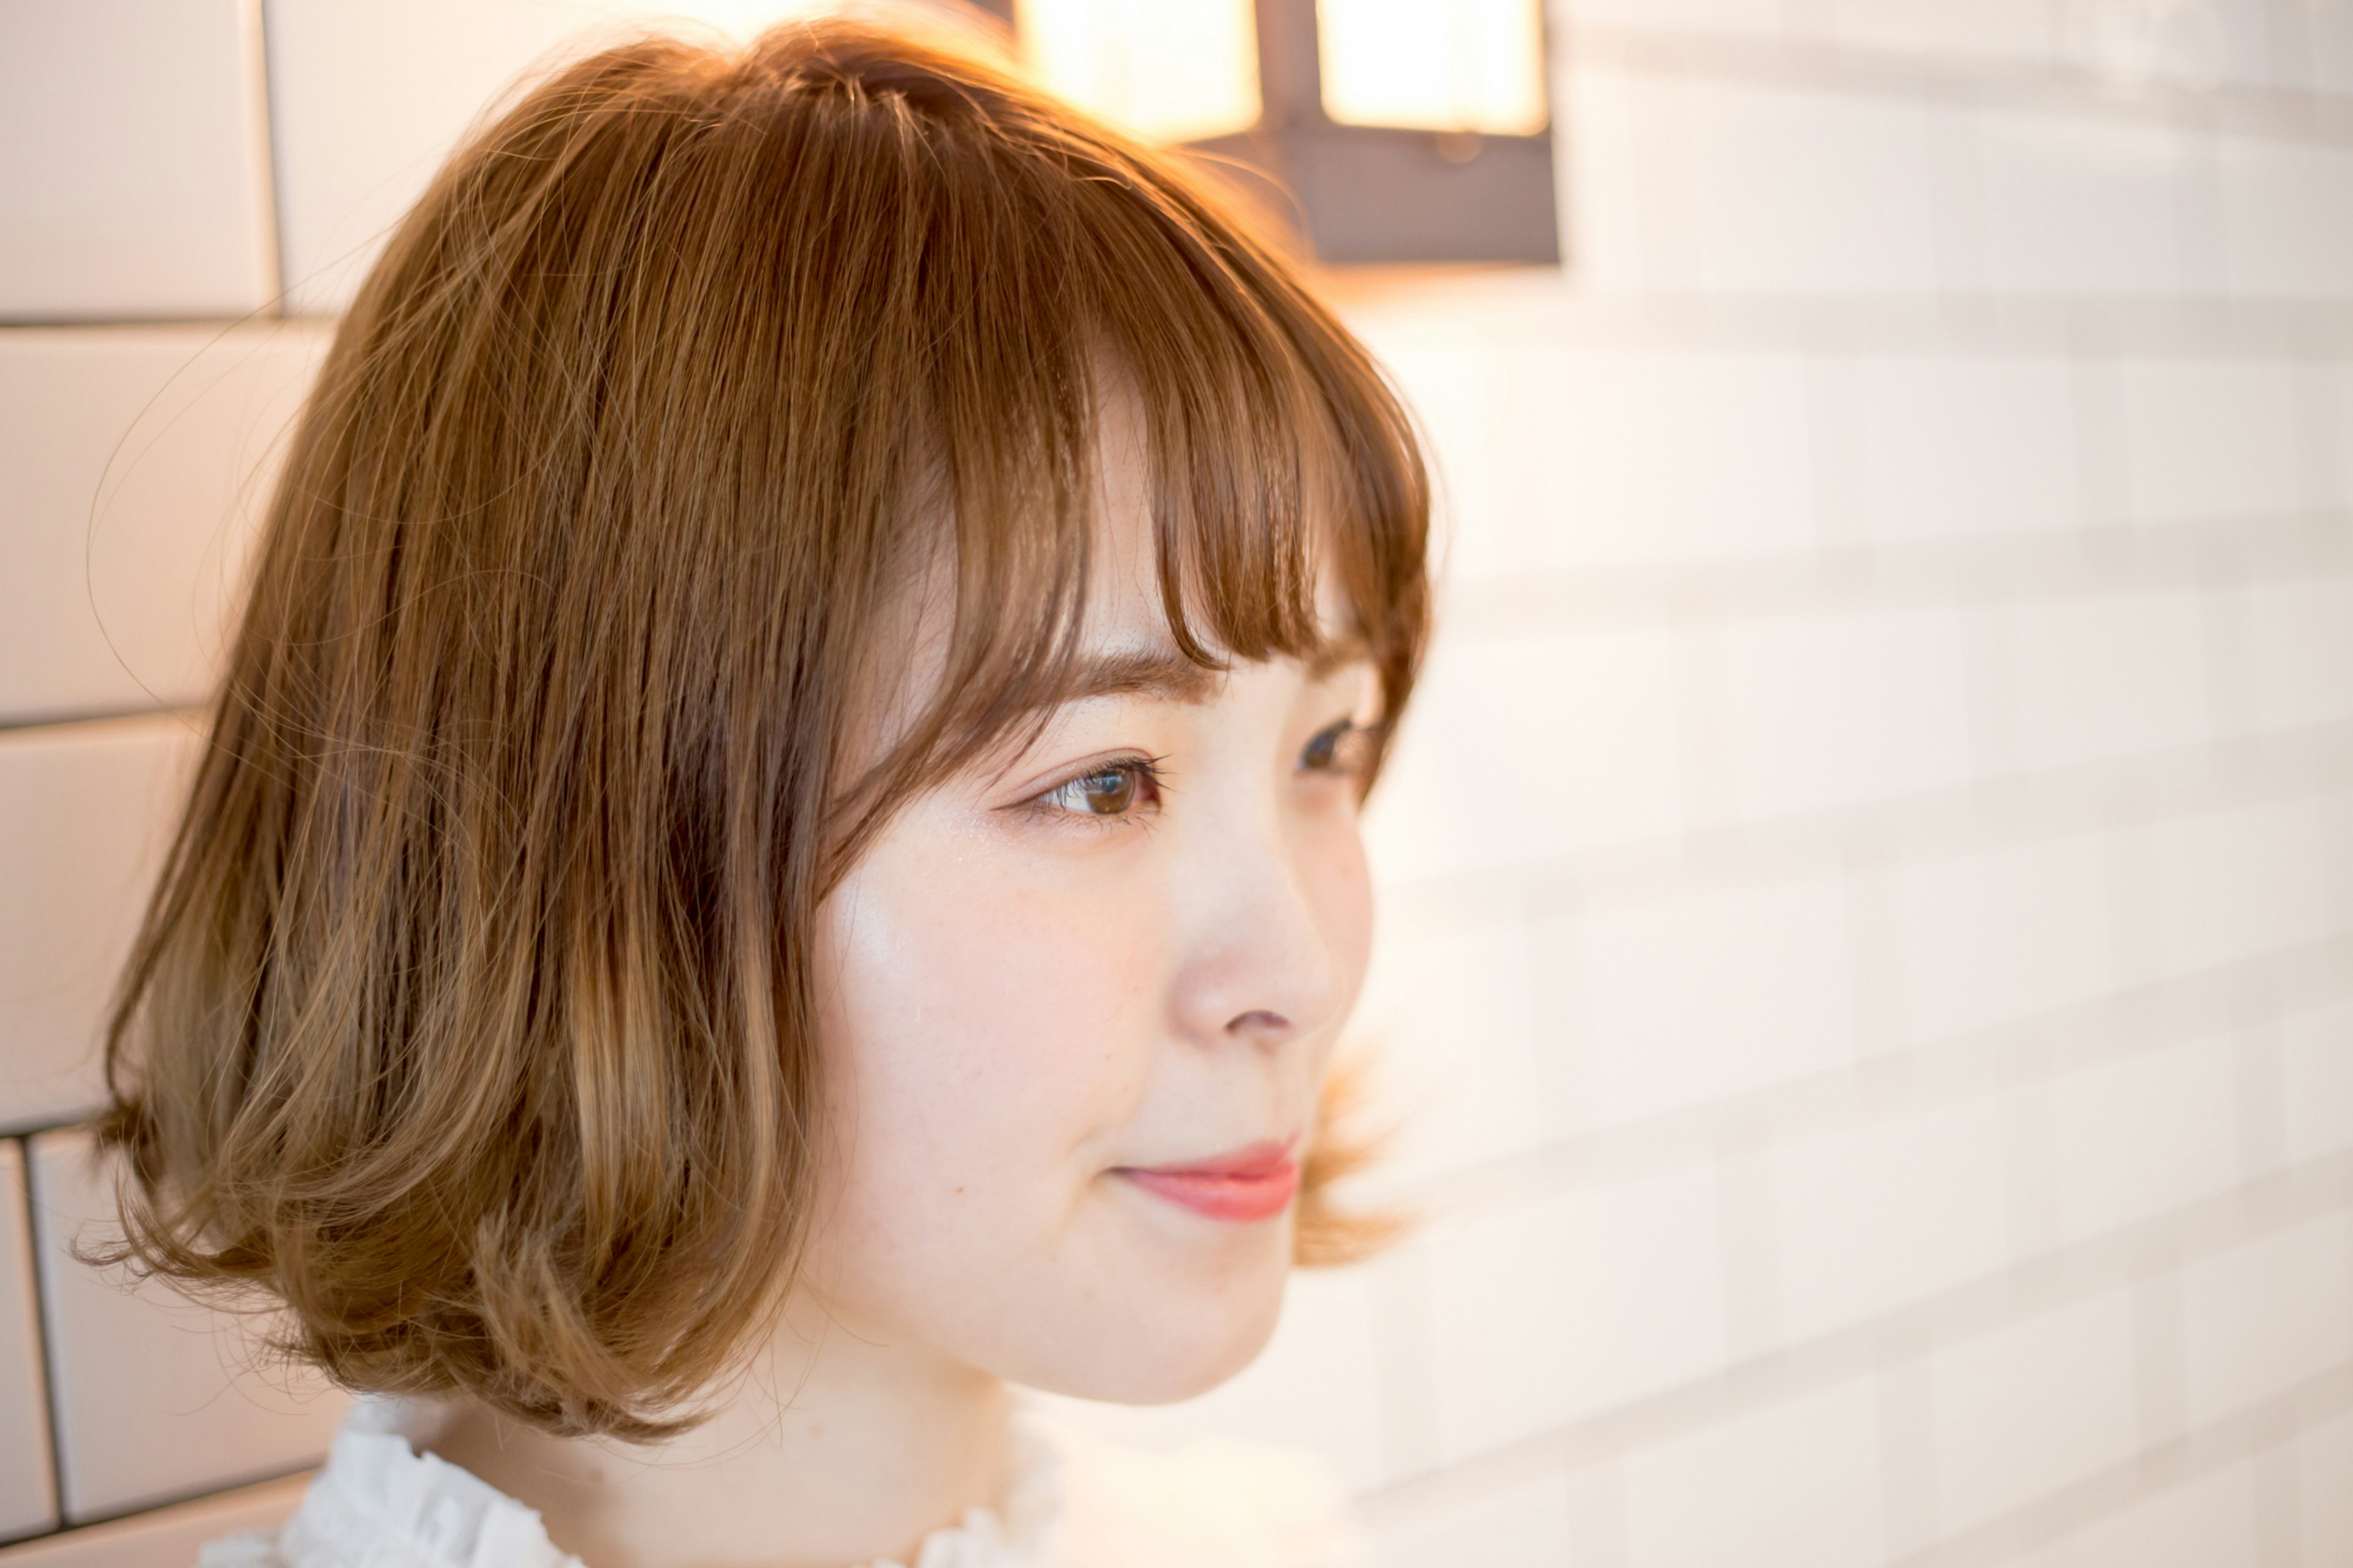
<point>1341,747</point>
<point>1112,789</point>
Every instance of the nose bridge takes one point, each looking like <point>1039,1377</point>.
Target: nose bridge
<point>1258,960</point>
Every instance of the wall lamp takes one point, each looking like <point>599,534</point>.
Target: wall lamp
<point>1395,131</point>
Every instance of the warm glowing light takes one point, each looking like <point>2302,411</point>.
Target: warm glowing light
<point>1435,65</point>
<point>1167,70</point>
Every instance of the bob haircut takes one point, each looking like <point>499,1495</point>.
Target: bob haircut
<point>470,1020</point>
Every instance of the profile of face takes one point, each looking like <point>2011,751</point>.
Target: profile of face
<point>1076,1003</point>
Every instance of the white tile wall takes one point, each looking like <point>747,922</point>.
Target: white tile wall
<point>135,461</point>
<point>2033,1406</point>
<point>2318,1071</point>
<point>1524,1340</point>
<point>1838,710</point>
<point>28,1482</point>
<point>1797,1481</point>
<point>1876,1216</point>
<point>1897,654</point>
<point>2142,1133</point>
<point>2208,1521</point>
<point>1691,999</point>
<point>132,162</point>
<point>2205,439</point>
<point>2263,1318</point>
<point>1964,447</point>
<point>155,1398</point>
<point>2000,934</point>
<point>85,815</point>
<point>2325,1458</point>
<point>165,1537</point>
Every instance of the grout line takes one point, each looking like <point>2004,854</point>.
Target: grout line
<point>26,724</point>
<point>261,149</point>
<point>42,1309</point>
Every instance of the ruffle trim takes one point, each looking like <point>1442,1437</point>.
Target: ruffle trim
<point>379,1503</point>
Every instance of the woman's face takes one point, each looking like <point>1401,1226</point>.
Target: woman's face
<point>1075,1007</point>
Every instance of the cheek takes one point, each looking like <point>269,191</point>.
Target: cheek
<point>981,1040</point>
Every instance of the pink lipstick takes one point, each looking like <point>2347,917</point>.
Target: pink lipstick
<point>1253,1183</point>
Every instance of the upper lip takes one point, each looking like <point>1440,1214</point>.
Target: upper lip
<point>1266,1158</point>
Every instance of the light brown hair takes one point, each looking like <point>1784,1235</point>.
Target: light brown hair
<point>470,1018</point>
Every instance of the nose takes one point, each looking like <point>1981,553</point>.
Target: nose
<point>1266,927</point>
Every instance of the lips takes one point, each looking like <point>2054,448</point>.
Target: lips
<point>1254,1183</point>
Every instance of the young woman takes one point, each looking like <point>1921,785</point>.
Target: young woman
<point>779,852</point>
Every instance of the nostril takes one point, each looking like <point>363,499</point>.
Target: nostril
<point>1258,1021</point>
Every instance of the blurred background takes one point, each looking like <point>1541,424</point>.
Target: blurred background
<point>1866,986</point>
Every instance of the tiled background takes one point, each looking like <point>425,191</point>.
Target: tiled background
<point>1869,922</point>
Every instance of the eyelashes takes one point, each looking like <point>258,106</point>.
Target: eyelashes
<point>1109,791</point>
<point>1128,791</point>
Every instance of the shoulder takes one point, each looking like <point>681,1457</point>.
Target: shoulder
<point>1226,1502</point>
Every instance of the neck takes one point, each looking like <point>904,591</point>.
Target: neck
<point>835,1449</point>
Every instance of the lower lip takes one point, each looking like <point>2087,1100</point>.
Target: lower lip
<point>1241,1199</point>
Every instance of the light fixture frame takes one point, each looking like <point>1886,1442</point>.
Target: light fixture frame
<point>1377,194</point>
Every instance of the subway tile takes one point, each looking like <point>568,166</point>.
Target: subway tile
<point>2324,1456</point>
<point>1598,152</point>
<point>1454,391</point>
<point>1527,1524</point>
<point>1998,935</point>
<point>1736,16</point>
<point>1522,747</point>
<point>2197,43</point>
<point>2079,205</point>
<point>156,1398</point>
<point>1840,711</point>
<point>1671,457</point>
<point>2287,218</point>
<point>2316,1067</point>
<point>2299,647</point>
<point>1952,447</point>
<point>28,1500</point>
<point>2206,439</point>
<point>1316,1386</point>
<point>368,97</point>
<point>2207,1521</point>
<point>137,462</point>
<point>2329,44</point>
<point>1811,193</point>
<point>2229,884</point>
<point>2095,677</point>
<point>2140,1134</point>
<point>1526,1339</point>
<point>2035,1406</point>
<point>1703,997</point>
<point>2266,1316</point>
<point>1886,1212</point>
<point>165,1537</point>
<point>130,148</point>
<point>1795,1483</point>
<point>2020,30</point>
<point>85,814</point>
<point>1449,1026</point>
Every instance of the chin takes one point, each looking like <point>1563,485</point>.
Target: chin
<point>1164,1339</point>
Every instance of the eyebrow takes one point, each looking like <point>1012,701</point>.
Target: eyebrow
<point>1162,672</point>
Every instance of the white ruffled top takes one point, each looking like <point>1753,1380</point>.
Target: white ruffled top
<point>1075,1502</point>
